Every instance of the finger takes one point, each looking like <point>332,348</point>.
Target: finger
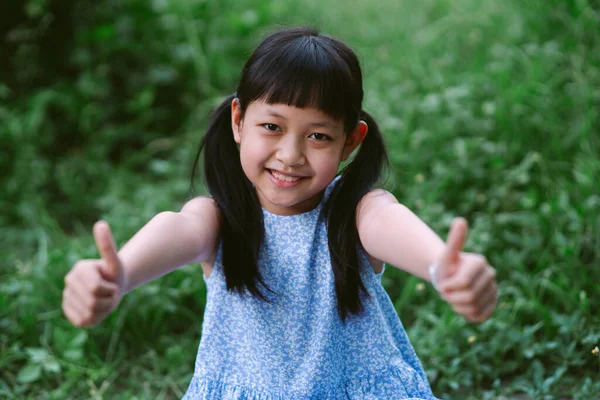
<point>456,240</point>
<point>77,301</point>
<point>469,298</point>
<point>71,314</point>
<point>87,280</point>
<point>487,312</point>
<point>448,262</point>
<point>103,305</point>
<point>74,309</point>
<point>482,287</point>
<point>464,279</point>
<point>479,312</point>
<point>106,247</point>
<point>465,311</point>
<point>488,297</point>
<point>87,302</point>
<point>88,310</point>
<point>95,284</point>
<point>72,277</point>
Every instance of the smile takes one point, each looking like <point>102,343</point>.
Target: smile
<point>283,180</point>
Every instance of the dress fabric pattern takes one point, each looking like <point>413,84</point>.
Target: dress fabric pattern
<point>297,347</point>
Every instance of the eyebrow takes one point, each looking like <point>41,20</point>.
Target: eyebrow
<point>318,124</point>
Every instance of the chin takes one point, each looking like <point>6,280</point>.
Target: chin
<point>293,205</point>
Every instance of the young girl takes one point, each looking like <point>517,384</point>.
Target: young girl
<point>292,250</point>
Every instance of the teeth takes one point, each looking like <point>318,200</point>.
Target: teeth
<point>284,177</point>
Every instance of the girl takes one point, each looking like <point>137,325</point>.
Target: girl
<point>291,250</point>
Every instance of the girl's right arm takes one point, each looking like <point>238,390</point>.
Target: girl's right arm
<point>171,240</point>
<point>93,288</point>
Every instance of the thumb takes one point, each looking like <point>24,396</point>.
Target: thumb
<point>106,246</point>
<point>454,245</point>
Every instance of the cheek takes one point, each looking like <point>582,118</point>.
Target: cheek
<point>328,163</point>
<point>252,155</point>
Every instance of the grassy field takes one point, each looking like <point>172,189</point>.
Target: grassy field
<point>490,110</point>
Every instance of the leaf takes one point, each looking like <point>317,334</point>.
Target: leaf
<point>550,381</point>
<point>538,371</point>
<point>74,354</point>
<point>79,339</point>
<point>529,353</point>
<point>454,385</point>
<point>51,365</point>
<point>29,373</point>
<point>37,355</point>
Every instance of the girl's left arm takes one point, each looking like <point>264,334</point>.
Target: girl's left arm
<point>390,232</point>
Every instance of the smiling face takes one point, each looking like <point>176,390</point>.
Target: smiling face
<point>291,154</point>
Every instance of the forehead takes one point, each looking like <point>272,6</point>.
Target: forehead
<point>260,108</point>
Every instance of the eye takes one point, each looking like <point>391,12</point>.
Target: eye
<point>271,127</point>
<point>321,137</point>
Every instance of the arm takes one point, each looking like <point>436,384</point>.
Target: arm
<point>170,240</point>
<point>94,288</point>
<point>390,232</point>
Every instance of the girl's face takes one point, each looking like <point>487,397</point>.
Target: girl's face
<point>291,154</point>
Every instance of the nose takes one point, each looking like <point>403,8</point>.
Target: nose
<point>290,151</point>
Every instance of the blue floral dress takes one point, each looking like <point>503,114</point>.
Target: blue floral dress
<point>297,347</point>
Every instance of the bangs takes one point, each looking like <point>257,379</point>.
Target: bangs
<point>305,72</point>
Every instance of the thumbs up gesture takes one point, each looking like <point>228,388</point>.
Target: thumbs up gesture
<point>465,280</point>
<point>93,288</point>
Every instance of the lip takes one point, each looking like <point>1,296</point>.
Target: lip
<point>283,184</point>
<point>285,173</point>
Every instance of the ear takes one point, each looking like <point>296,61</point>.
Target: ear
<point>236,119</point>
<point>354,139</point>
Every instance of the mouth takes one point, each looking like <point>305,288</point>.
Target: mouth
<point>284,180</point>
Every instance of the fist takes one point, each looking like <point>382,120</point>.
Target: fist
<point>466,280</point>
<point>93,288</point>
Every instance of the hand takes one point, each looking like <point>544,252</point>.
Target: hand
<point>466,280</point>
<point>93,288</point>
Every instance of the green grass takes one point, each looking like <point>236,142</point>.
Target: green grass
<point>490,111</point>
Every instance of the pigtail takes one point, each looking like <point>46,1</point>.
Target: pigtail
<point>356,180</point>
<point>241,219</point>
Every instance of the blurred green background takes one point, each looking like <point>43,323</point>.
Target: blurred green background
<point>490,110</point>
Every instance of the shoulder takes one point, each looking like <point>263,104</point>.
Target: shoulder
<point>202,216</point>
<point>374,211</point>
<point>372,203</point>
<point>202,206</point>
<point>367,213</point>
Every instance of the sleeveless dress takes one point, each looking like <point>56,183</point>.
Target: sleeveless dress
<point>297,346</point>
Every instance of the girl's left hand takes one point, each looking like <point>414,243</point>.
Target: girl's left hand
<point>467,281</point>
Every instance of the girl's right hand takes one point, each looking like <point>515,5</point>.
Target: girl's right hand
<point>93,288</point>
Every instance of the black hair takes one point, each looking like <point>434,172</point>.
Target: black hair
<point>302,68</point>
